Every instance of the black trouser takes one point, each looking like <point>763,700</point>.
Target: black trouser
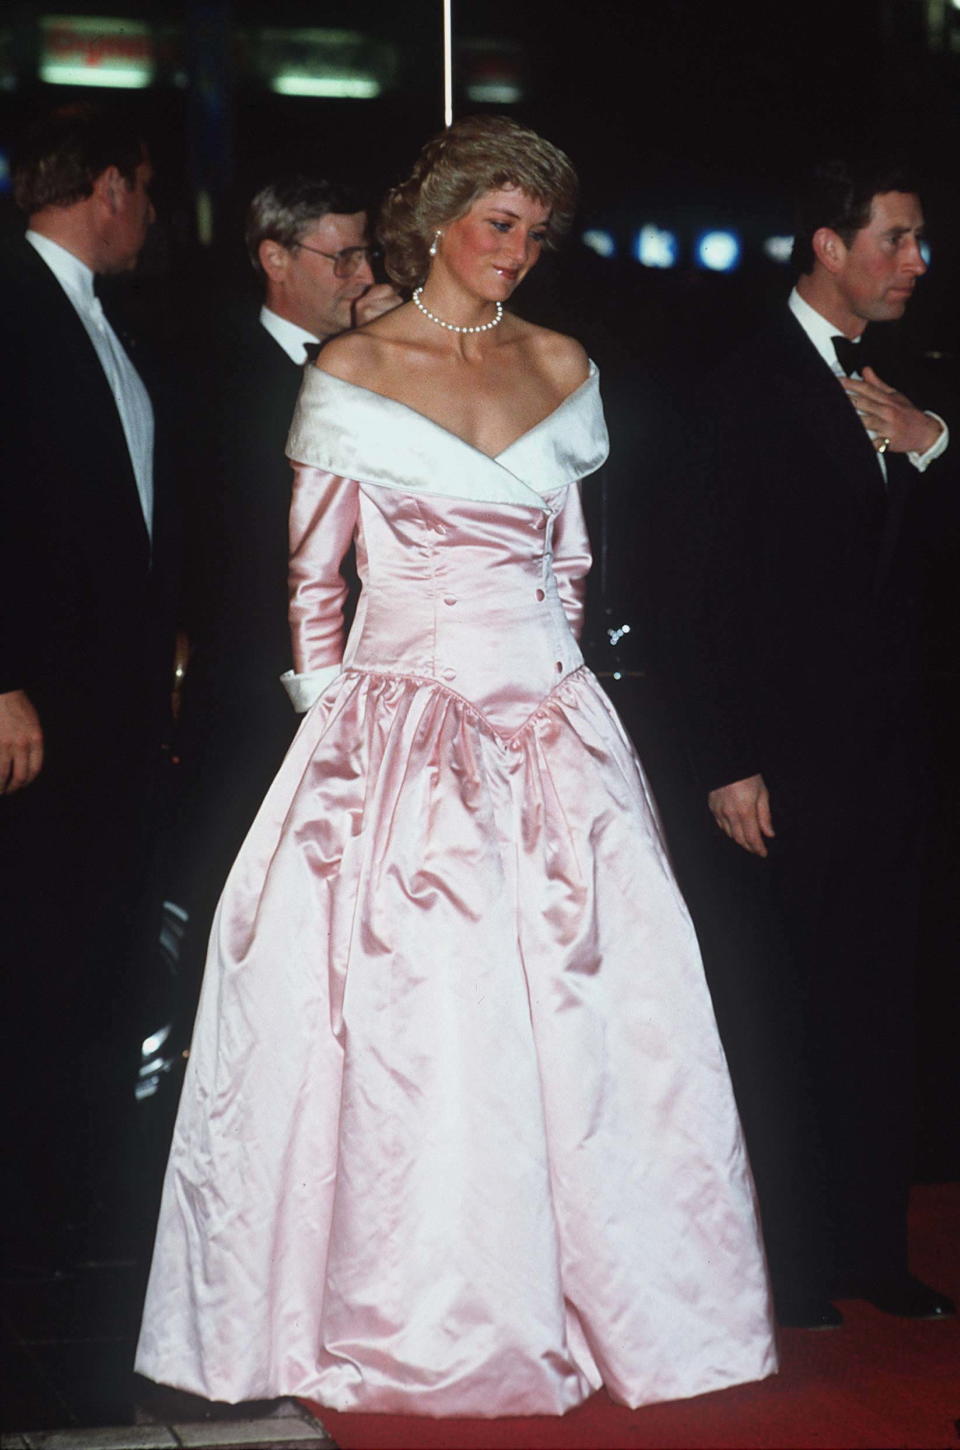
<point>753,980</point>
<point>810,958</point>
<point>73,848</point>
<point>846,868</point>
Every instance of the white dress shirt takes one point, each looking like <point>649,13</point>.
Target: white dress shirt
<point>821,333</point>
<point>290,337</point>
<point>129,394</point>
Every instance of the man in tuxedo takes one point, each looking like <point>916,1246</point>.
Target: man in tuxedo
<point>85,654</point>
<point>308,241</point>
<point>792,640</point>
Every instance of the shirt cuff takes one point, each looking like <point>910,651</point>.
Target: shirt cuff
<point>305,690</point>
<point>938,446</point>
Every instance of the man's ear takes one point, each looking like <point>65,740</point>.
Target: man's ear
<point>829,248</point>
<point>108,188</point>
<point>274,259</point>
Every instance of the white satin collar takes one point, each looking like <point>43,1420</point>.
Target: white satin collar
<point>346,429</point>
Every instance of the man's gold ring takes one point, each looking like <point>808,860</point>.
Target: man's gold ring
<point>883,445</point>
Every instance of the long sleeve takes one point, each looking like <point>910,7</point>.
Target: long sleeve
<point>323,515</point>
<point>572,558</point>
<point>710,537</point>
<point>18,561</point>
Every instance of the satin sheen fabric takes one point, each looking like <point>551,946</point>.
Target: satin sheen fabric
<point>457,1135</point>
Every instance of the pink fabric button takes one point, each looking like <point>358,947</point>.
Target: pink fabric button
<point>540,594</point>
<point>448,674</point>
<point>449,599</point>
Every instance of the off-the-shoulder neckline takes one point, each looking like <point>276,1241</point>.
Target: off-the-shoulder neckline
<point>448,432</point>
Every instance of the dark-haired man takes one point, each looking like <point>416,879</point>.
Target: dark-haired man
<point>85,653</point>
<point>308,241</point>
<point>793,582</point>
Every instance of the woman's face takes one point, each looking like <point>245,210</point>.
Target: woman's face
<point>492,248</point>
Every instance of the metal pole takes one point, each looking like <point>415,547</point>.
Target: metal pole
<point>447,64</point>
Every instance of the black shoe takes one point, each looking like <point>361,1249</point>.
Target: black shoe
<point>908,1298</point>
<point>807,1311</point>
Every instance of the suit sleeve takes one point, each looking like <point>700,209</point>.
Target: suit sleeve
<point>323,516</point>
<point>704,548</point>
<point>572,558</point>
<point>938,492</point>
<point>19,564</point>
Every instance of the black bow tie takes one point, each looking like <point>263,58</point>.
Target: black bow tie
<point>853,357</point>
<point>312,350</point>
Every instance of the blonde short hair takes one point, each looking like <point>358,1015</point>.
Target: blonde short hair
<point>475,155</point>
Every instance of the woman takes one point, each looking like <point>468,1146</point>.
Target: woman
<point>457,1135</point>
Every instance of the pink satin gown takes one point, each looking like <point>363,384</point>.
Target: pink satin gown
<point>457,1135</point>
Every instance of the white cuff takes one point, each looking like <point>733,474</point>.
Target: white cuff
<point>938,446</point>
<point>304,690</point>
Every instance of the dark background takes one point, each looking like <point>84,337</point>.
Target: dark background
<point>680,113</point>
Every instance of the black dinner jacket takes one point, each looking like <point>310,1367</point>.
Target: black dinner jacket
<point>239,564</point>
<point>789,570</point>
<point>84,600</point>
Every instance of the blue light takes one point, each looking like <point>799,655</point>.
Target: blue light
<point>655,248</point>
<point>718,251</point>
<point>925,251</point>
<point>600,241</point>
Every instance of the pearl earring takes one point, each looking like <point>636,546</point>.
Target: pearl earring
<point>434,247</point>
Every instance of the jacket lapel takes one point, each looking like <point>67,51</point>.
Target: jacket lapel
<point>901,477</point>
<point>825,416</point>
<point>87,408</point>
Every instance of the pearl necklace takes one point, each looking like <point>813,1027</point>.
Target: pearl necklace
<point>452,326</point>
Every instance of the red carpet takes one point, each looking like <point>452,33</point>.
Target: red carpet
<point>878,1383</point>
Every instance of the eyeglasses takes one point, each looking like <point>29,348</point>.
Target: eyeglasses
<point>347,261</point>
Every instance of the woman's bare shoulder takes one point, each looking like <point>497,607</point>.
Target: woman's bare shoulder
<point>349,356</point>
<point>563,358</point>
<point>360,355</point>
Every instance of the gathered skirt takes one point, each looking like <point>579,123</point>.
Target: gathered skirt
<point>457,1135</point>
